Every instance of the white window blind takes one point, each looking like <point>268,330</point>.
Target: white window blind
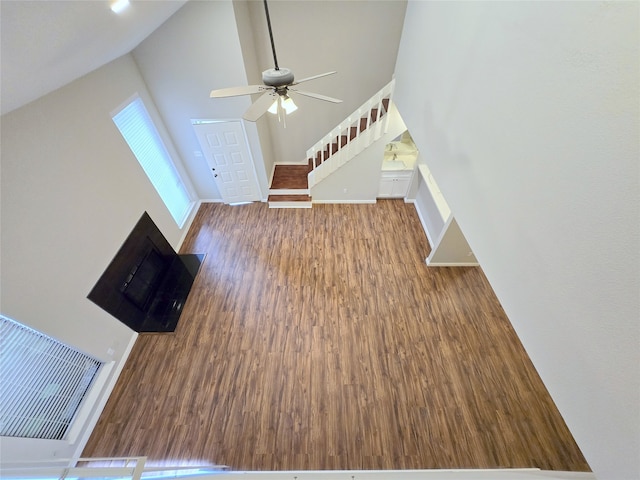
<point>141,135</point>
<point>42,382</point>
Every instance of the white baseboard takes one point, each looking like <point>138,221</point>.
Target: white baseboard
<point>273,171</point>
<point>345,201</point>
<point>450,264</point>
<point>102,401</point>
<point>289,191</point>
<point>424,225</point>
<point>192,216</point>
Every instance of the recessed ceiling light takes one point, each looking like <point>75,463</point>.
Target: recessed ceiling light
<point>118,6</point>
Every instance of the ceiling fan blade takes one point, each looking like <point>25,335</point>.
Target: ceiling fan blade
<point>316,95</point>
<point>260,106</point>
<point>314,77</point>
<point>236,91</point>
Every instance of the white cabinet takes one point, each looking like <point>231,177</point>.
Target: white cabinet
<point>394,183</point>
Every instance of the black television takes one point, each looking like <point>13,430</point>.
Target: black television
<point>144,278</point>
<point>147,283</point>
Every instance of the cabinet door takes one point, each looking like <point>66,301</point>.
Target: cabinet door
<point>386,187</point>
<point>400,186</point>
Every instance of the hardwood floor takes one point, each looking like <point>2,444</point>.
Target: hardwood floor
<point>319,339</point>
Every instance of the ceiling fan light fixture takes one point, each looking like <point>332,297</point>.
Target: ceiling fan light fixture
<point>274,107</point>
<point>287,104</point>
<point>276,82</point>
<point>119,6</point>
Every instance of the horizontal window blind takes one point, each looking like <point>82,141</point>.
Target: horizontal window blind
<point>143,139</point>
<point>42,382</point>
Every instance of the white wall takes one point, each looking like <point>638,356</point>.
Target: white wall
<point>210,45</point>
<point>527,114</point>
<point>358,39</point>
<point>193,52</point>
<point>71,193</point>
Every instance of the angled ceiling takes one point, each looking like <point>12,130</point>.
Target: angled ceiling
<point>46,44</point>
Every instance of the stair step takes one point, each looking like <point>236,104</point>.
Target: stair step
<point>289,201</point>
<point>289,198</point>
<point>289,191</point>
<point>332,148</point>
<point>290,177</point>
<point>351,133</point>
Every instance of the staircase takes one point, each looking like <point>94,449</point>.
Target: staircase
<point>291,184</point>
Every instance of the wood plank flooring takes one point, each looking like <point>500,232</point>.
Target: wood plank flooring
<point>319,339</point>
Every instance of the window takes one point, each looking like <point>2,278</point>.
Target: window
<point>42,382</point>
<point>138,130</point>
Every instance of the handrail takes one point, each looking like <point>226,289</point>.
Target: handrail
<point>365,136</point>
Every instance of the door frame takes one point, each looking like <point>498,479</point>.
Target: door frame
<point>203,121</point>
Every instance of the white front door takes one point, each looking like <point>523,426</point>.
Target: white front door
<point>225,147</point>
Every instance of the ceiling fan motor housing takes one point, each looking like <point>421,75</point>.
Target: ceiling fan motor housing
<point>277,78</point>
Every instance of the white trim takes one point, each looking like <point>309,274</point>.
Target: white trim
<point>424,225</point>
<point>289,204</point>
<point>273,172</point>
<point>203,121</point>
<point>344,201</point>
<point>444,474</point>
<point>289,191</point>
<point>449,264</point>
<point>144,114</point>
<point>195,206</point>
<point>91,423</point>
<point>88,402</point>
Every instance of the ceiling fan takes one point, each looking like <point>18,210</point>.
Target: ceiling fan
<point>278,84</point>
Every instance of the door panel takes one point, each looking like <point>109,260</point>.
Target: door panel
<point>227,153</point>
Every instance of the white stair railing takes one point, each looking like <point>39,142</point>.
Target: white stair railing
<point>365,135</point>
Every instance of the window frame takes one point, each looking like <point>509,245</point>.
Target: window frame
<point>163,143</point>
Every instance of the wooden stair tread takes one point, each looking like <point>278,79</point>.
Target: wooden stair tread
<point>343,139</point>
<point>322,155</point>
<point>290,176</point>
<point>289,198</point>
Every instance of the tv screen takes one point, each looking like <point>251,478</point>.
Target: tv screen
<point>143,279</point>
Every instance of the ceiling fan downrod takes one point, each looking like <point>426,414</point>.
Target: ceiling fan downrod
<point>273,45</point>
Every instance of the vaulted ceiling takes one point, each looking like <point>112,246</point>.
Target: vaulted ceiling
<point>183,49</point>
<point>47,44</point>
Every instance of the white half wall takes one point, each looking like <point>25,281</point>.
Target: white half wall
<point>527,114</point>
<point>71,192</point>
